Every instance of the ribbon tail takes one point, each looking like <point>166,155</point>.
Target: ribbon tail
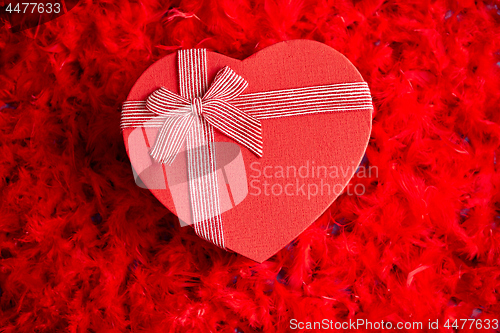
<point>236,124</point>
<point>170,138</point>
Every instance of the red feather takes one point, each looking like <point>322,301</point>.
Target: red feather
<point>83,249</point>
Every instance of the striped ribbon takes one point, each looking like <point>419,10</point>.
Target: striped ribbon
<point>191,117</point>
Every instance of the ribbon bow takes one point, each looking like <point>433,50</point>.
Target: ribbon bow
<point>180,115</point>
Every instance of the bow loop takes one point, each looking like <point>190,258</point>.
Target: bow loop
<point>226,85</point>
<point>163,102</point>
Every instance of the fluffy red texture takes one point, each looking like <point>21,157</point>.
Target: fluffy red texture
<point>83,249</point>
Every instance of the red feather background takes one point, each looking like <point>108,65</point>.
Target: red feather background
<point>83,249</point>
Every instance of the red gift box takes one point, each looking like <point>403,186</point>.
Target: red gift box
<point>306,108</point>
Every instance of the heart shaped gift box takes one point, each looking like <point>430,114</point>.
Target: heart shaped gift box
<point>250,152</point>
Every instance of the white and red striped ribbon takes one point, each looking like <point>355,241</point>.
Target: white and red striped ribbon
<point>190,118</point>
<point>202,176</point>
